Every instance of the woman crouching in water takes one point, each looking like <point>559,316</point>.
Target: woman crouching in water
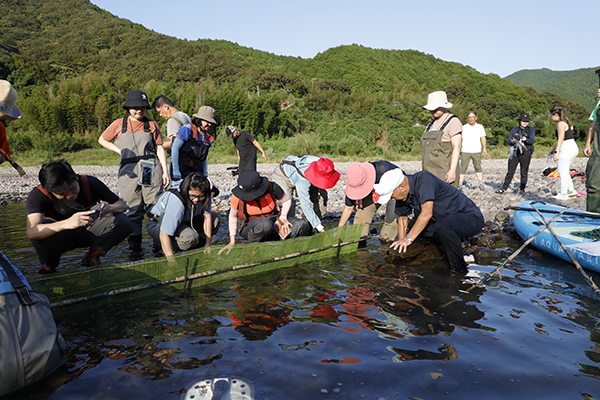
<point>564,152</point>
<point>183,219</point>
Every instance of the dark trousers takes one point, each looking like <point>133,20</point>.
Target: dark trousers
<point>523,159</point>
<point>262,229</point>
<point>450,231</point>
<point>104,234</point>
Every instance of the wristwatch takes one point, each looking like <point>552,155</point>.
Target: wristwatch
<point>409,239</point>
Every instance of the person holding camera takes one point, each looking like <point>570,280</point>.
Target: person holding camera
<point>67,211</point>
<point>520,141</point>
<point>143,171</point>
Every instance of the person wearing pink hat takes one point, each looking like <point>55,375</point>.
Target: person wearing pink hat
<point>8,111</point>
<point>311,176</point>
<point>360,196</point>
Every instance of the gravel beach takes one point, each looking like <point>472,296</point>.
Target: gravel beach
<point>539,187</point>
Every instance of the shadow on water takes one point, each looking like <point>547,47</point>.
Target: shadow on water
<point>348,328</point>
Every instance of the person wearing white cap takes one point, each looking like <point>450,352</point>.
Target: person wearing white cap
<point>441,141</point>
<point>442,212</point>
<point>8,111</point>
<point>360,196</point>
<point>245,145</point>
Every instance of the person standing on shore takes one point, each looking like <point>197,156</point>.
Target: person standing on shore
<point>245,145</point>
<point>473,141</point>
<point>521,141</point>
<point>441,141</point>
<point>143,171</point>
<point>592,170</point>
<point>564,152</point>
<point>8,111</point>
<point>175,118</point>
<point>189,150</point>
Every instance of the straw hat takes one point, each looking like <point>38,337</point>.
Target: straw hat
<point>8,98</point>
<point>436,100</point>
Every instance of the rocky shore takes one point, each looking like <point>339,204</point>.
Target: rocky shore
<point>539,187</point>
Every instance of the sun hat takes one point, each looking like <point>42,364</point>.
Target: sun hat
<point>360,178</point>
<point>387,184</point>
<point>524,117</point>
<point>229,131</point>
<point>436,100</point>
<point>136,99</point>
<point>322,173</point>
<point>8,98</point>
<point>206,113</point>
<point>250,185</point>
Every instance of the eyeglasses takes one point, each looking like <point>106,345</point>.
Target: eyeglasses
<point>201,197</point>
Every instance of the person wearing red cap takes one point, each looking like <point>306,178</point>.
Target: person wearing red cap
<point>360,178</point>
<point>311,176</point>
<point>8,111</point>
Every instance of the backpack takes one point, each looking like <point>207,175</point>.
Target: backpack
<point>195,150</point>
<point>31,347</point>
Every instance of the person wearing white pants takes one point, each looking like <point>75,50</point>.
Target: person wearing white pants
<point>564,152</point>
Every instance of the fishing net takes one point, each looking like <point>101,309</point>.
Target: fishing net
<point>196,267</point>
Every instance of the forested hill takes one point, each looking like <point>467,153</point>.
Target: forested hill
<point>72,64</point>
<point>578,85</point>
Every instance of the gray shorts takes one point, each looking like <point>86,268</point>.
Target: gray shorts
<point>464,162</point>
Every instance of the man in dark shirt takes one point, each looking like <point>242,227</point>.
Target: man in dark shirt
<point>67,211</point>
<point>441,211</point>
<point>245,145</point>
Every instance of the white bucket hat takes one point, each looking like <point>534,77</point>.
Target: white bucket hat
<point>8,98</point>
<point>436,100</point>
<point>387,184</point>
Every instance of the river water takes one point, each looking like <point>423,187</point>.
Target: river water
<point>362,326</point>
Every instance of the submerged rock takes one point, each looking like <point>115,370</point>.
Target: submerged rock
<point>484,255</point>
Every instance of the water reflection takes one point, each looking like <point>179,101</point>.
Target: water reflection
<point>363,326</point>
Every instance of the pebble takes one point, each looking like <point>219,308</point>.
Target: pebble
<point>492,205</point>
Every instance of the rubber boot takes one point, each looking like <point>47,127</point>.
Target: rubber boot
<point>135,247</point>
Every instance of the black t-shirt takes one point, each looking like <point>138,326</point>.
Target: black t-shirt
<point>424,187</point>
<point>247,150</point>
<point>37,202</point>
<point>367,201</point>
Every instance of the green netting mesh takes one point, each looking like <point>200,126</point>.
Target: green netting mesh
<point>204,266</point>
<point>593,234</point>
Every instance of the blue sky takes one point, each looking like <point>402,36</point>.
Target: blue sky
<point>492,37</point>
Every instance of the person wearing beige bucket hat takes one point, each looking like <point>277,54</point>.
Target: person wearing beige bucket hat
<point>8,111</point>
<point>441,141</point>
<point>189,150</point>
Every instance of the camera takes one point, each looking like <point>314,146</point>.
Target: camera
<point>96,215</point>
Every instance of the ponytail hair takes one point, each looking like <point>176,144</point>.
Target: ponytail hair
<point>562,114</point>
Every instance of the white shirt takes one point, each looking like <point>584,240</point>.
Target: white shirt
<point>471,138</point>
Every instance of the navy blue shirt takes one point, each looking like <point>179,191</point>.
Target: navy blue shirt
<point>424,187</point>
<point>517,133</point>
<point>368,200</point>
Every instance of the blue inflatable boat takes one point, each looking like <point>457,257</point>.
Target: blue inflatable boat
<point>585,250</point>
